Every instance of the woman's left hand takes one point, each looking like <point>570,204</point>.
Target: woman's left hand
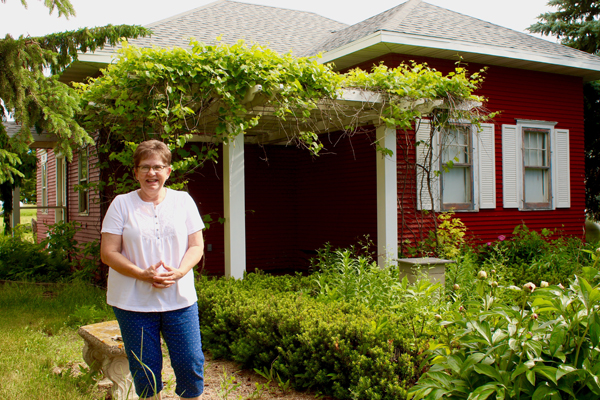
<point>166,279</point>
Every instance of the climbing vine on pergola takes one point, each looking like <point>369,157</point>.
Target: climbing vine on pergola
<point>173,94</point>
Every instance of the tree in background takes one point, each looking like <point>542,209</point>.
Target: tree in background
<point>43,103</point>
<point>576,24</point>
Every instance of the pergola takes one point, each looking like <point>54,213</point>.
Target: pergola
<point>353,107</point>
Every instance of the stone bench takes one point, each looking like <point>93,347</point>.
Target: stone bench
<point>104,350</point>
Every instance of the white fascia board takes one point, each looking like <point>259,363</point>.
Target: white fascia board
<point>361,96</point>
<point>458,46</point>
<point>100,58</point>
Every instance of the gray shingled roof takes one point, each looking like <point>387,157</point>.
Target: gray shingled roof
<point>416,17</point>
<point>414,27</point>
<point>280,29</point>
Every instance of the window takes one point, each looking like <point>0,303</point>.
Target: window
<point>44,166</point>
<point>536,168</point>
<point>83,168</point>
<point>457,168</point>
<point>462,164</point>
<point>61,188</point>
<point>535,163</point>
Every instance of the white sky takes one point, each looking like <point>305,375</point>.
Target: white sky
<point>35,21</point>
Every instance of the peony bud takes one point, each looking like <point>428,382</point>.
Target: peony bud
<point>456,286</point>
<point>493,271</point>
<point>501,238</point>
<point>438,317</point>
<point>534,316</point>
<point>529,287</point>
<point>482,275</point>
<point>544,284</point>
<point>461,309</point>
<point>494,284</point>
<point>560,285</point>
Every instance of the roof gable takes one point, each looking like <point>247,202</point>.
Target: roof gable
<point>419,24</point>
<point>280,29</point>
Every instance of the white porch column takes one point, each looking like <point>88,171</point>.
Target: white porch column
<point>235,207</point>
<point>16,214</point>
<point>387,198</point>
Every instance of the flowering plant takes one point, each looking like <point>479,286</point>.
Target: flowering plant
<point>545,348</point>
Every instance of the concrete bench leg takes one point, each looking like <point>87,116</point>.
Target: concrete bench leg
<point>115,368</point>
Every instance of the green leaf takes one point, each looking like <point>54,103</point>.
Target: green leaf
<point>470,361</point>
<point>564,370</point>
<point>483,392</point>
<point>519,370</point>
<point>546,393</point>
<point>546,371</point>
<point>489,371</point>
<point>530,377</point>
<point>557,338</point>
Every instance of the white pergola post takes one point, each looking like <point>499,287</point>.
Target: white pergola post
<point>387,198</point>
<point>16,214</point>
<point>235,207</point>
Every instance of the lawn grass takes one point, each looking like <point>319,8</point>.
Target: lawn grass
<point>26,217</point>
<point>39,340</point>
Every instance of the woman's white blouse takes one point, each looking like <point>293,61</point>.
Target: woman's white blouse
<point>151,234</point>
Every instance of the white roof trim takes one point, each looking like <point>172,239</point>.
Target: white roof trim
<point>453,45</point>
<point>101,58</point>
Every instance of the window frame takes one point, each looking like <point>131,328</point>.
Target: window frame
<point>483,144</point>
<point>83,206</point>
<point>530,205</point>
<point>444,168</point>
<point>513,171</point>
<point>44,181</point>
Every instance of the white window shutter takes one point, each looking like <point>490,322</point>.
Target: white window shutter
<point>424,156</point>
<point>487,166</point>
<point>511,147</point>
<point>563,170</point>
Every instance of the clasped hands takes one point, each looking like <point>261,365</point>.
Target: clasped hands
<point>161,278</point>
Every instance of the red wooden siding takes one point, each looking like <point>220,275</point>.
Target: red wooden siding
<point>295,203</point>
<point>91,223</point>
<point>525,95</point>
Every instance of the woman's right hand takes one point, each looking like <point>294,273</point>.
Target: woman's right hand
<point>150,273</point>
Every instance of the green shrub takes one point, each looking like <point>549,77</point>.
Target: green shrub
<point>337,348</point>
<point>545,348</point>
<point>58,258</point>
<point>353,276</point>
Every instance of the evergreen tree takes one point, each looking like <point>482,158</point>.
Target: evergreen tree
<point>43,103</point>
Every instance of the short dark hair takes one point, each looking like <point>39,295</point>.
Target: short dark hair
<point>151,147</point>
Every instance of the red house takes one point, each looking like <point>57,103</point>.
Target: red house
<point>280,204</point>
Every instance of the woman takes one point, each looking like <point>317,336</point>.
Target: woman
<point>151,240</point>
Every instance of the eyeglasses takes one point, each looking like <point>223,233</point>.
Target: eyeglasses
<point>146,168</point>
